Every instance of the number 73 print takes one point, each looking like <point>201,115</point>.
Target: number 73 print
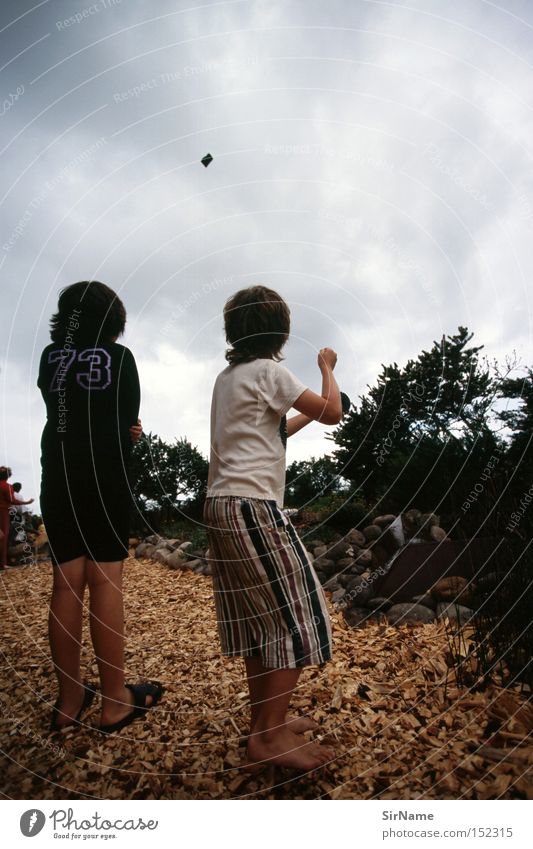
<point>98,375</point>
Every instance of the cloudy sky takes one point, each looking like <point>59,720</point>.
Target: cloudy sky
<point>372,162</point>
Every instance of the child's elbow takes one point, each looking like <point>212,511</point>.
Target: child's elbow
<point>332,417</point>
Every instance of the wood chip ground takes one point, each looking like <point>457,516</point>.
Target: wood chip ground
<point>388,703</point>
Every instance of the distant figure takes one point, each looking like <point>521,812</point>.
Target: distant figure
<point>91,390</point>
<point>271,609</point>
<point>8,500</point>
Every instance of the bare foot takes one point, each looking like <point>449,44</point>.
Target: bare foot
<point>285,748</point>
<point>299,724</point>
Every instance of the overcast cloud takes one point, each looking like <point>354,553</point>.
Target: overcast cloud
<point>372,162</point>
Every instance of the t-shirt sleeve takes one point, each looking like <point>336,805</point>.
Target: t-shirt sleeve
<point>279,388</point>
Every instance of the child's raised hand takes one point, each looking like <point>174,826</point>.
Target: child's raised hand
<point>136,431</point>
<point>327,358</point>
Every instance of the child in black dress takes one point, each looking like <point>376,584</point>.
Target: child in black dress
<point>91,390</point>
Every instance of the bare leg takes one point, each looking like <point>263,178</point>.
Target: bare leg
<point>107,634</point>
<point>64,630</point>
<point>272,740</point>
<point>255,673</point>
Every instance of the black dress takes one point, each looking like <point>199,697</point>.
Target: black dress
<point>92,398</point>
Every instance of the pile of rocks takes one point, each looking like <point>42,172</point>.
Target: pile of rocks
<point>174,553</point>
<point>350,567</point>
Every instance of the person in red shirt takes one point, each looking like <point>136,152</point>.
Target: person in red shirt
<point>7,501</point>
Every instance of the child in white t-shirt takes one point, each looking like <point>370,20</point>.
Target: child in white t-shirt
<point>270,606</point>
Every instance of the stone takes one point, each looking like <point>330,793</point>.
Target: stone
<point>438,534</point>
<point>427,600</point>
<point>184,546</point>
<point>339,549</point>
<point>407,614</point>
<point>161,555</point>
<point>384,521</point>
<point>176,560</point>
<point>379,603</point>
<point>337,596</point>
<point>345,564</point>
<point>150,550</point>
<point>325,565</point>
<point>454,612</point>
<point>358,591</point>
<point>372,532</point>
<point>489,581</point>
<point>364,558</point>
<point>356,616</point>
<point>153,539</point>
<point>320,551</point>
<point>140,551</point>
<point>452,588</point>
<point>355,537</point>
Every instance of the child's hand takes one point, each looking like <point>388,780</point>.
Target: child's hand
<point>327,358</point>
<point>136,431</point>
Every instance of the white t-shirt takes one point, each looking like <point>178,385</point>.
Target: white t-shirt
<point>247,452</point>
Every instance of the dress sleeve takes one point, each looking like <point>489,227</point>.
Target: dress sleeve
<point>279,388</point>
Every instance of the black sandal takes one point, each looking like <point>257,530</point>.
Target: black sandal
<point>140,693</point>
<point>88,698</point>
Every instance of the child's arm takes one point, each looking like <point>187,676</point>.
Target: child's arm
<point>327,407</point>
<point>296,423</point>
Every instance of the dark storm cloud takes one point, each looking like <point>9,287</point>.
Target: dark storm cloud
<point>371,162</point>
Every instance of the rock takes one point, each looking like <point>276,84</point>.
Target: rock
<point>326,566</point>
<point>454,587</point>
<point>400,614</point>
<point>345,564</point>
<point>356,616</point>
<point>321,577</point>
<point>364,558</point>
<point>339,549</point>
<point>454,612</point>
<point>489,581</point>
<point>384,521</point>
<point>140,551</point>
<point>161,555</point>
<point>153,539</point>
<point>173,544</point>
<point>372,532</point>
<point>194,565</point>
<point>176,560</point>
<point>355,537</point>
<point>184,546</point>
<point>437,534</point>
<point>427,600</point>
<point>150,550</point>
<point>337,596</point>
<point>358,591</point>
<point>320,551</point>
<point>379,602</point>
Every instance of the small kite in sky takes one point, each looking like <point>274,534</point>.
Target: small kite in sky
<point>206,160</point>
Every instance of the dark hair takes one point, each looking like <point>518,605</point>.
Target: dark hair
<point>257,322</point>
<point>88,310</point>
<point>17,486</point>
<point>5,473</point>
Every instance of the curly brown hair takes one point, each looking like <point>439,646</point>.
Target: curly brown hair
<point>257,322</point>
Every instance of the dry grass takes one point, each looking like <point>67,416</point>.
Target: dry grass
<point>402,735</point>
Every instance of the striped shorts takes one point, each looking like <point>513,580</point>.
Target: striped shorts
<point>268,599</point>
